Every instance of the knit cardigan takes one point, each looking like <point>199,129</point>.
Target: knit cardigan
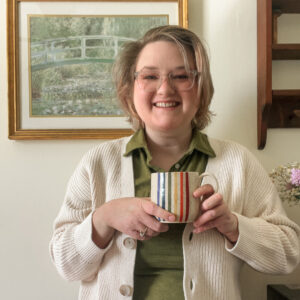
<point>268,241</point>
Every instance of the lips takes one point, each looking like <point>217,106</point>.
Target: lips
<point>166,104</point>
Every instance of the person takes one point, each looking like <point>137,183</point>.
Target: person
<point>106,234</point>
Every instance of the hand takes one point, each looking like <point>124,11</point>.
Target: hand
<point>215,214</point>
<point>130,216</point>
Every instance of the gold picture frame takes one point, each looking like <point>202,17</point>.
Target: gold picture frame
<point>23,124</point>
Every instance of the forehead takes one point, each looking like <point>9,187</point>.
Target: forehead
<point>163,55</point>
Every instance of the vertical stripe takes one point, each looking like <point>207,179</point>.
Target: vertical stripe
<point>181,196</point>
<point>163,190</point>
<point>175,195</point>
<point>158,190</point>
<point>187,208</point>
<point>169,191</point>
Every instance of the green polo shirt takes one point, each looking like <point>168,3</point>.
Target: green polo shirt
<point>158,273</point>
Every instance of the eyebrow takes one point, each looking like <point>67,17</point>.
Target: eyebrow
<point>155,68</point>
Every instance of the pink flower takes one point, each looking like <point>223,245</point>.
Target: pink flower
<point>295,177</point>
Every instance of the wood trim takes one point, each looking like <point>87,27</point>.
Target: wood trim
<point>12,68</point>
<point>286,51</point>
<point>287,6</point>
<point>183,13</point>
<point>264,68</point>
<point>285,110</point>
<point>14,127</point>
<point>99,0</point>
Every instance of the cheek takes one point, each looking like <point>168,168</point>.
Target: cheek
<point>137,97</point>
<point>191,98</point>
<point>140,98</point>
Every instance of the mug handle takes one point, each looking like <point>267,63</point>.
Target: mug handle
<point>206,174</point>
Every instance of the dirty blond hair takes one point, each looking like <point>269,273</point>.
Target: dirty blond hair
<point>187,43</point>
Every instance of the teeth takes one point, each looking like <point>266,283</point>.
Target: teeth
<point>166,104</point>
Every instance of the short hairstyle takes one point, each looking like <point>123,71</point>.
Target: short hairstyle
<point>187,41</point>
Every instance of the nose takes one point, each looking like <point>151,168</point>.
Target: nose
<point>165,86</point>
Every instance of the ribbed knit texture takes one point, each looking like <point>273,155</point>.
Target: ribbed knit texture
<point>268,240</point>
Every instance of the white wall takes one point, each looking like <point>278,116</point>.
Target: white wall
<point>33,174</point>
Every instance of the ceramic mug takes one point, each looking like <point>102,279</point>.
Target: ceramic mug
<point>173,191</point>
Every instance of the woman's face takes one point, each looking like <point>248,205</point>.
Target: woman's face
<point>167,108</point>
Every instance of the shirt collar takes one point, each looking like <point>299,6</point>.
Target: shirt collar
<point>199,142</point>
<point>137,141</point>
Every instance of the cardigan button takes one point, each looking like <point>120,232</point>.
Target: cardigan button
<point>191,285</point>
<point>177,166</point>
<point>126,290</point>
<point>129,243</point>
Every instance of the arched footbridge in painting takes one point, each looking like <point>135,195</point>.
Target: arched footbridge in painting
<point>75,50</point>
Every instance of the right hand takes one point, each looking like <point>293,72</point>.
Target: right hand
<point>130,216</point>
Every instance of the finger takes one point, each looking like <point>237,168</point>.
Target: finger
<point>210,215</point>
<point>154,210</point>
<point>148,235</point>
<point>153,223</point>
<point>204,190</point>
<point>221,223</point>
<point>136,235</point>
<point>205,227</point>
<point>144,228</point>
<point>140,233</point>
<point>211,202</point>
<point>151,233</point>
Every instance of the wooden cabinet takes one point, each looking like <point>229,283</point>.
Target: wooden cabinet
<point>275,108</point>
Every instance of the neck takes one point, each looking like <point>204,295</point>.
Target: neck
<point>167,148</point>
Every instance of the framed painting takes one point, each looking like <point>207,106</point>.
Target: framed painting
<point>60,55</point>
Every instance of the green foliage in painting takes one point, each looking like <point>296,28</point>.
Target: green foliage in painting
<point>71,60</point>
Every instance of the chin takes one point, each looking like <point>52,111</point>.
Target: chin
<point>169,127</point>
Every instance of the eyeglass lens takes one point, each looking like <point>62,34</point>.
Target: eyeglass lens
<point>181,80</point>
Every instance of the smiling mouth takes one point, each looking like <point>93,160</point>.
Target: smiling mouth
<point>166,104</point>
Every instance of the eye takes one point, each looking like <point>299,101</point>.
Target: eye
<point>180,77</point>
<point>149,77</point>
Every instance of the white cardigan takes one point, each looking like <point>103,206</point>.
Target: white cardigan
<point>268,240</point>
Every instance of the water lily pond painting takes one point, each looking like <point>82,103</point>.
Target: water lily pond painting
<point>70,60</point>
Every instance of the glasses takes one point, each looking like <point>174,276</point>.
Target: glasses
<point>151,80</point>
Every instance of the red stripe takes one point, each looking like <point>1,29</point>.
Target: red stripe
<point>187,208</point>
<point>181,196</point>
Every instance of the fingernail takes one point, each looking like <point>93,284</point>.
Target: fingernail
<point>171,218</point>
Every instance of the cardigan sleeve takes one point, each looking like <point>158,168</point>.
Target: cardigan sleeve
<point>268,241</point>
<point>72,250</point>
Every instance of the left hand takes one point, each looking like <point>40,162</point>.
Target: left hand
<point>214,213</point>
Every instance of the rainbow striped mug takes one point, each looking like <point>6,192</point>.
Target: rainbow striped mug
<point>173,191</point>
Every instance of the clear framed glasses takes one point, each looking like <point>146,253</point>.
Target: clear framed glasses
<point>150,80</point>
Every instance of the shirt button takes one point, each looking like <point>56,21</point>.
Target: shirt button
<point>177,166</point>
<point>125,290</point>
<point>129,243</point>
